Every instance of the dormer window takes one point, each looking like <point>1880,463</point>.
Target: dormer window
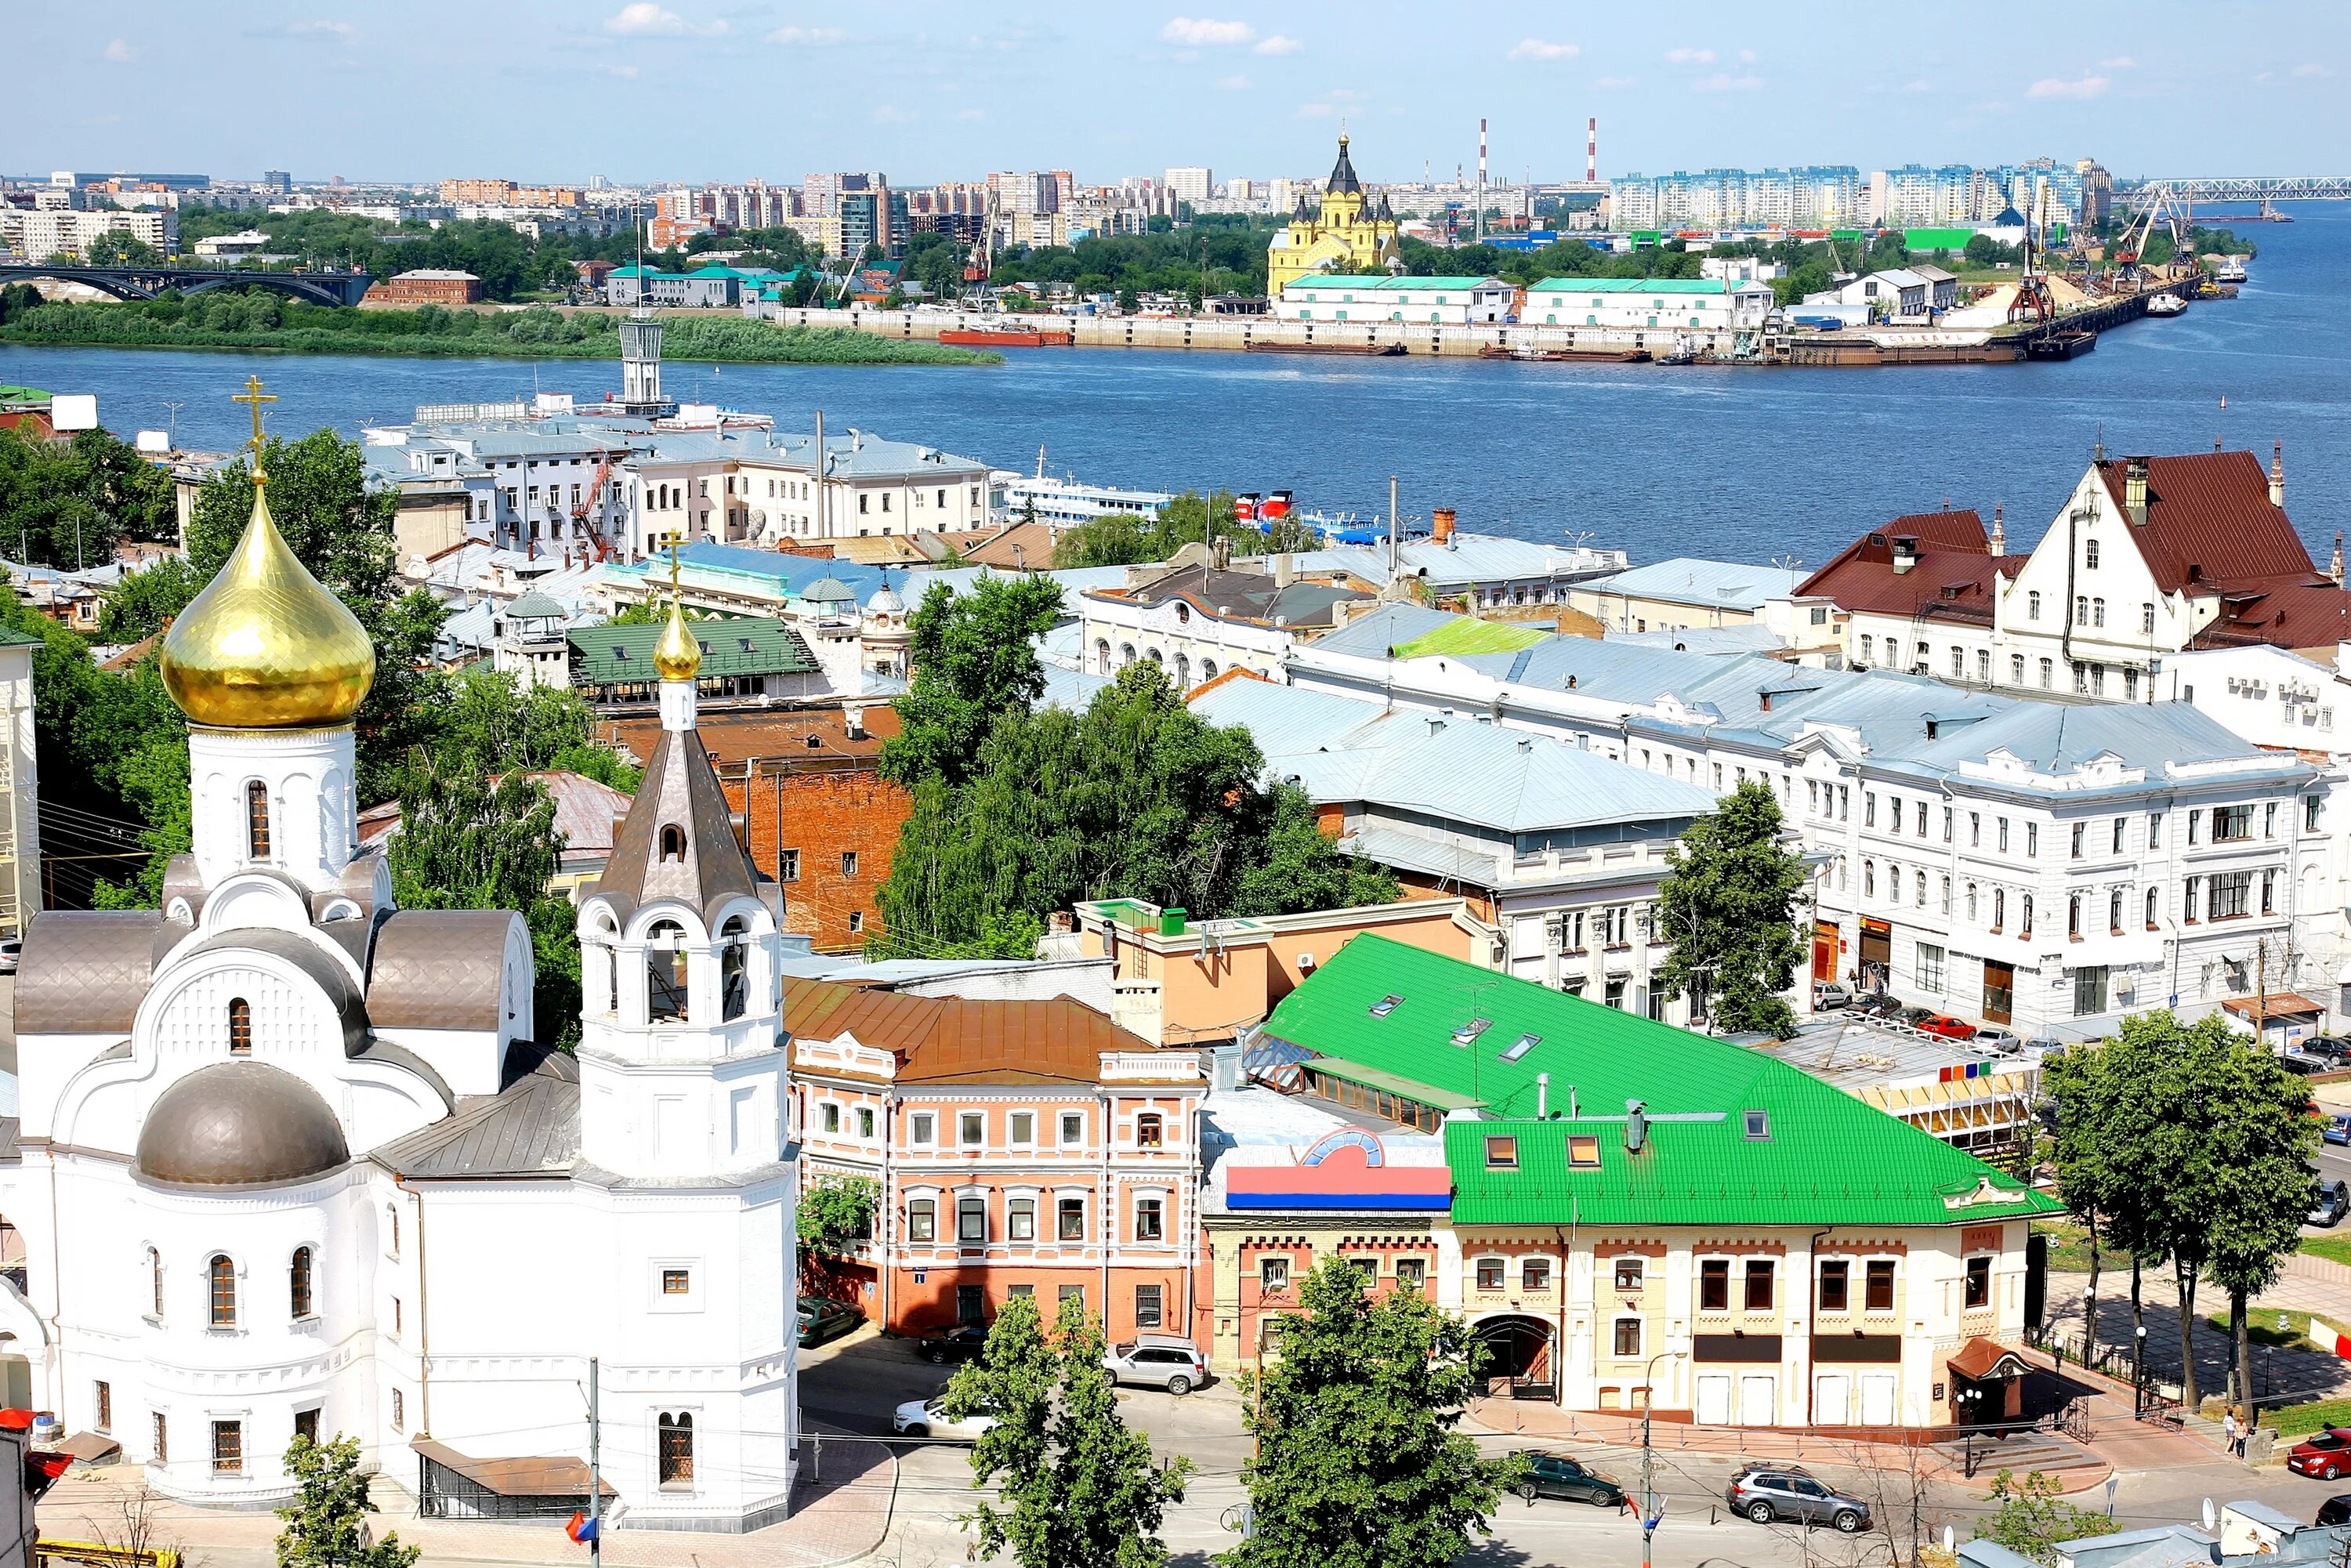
<point>1501,1154</point>
<point>1583,1151</point>
<point>257,820</point>
<point>673,842</point>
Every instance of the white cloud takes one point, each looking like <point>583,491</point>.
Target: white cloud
<point>815,37</point>
<point>2051,87</point>
<point>1317,111</point>
<point>342,32</point>
<point>1540,50</point>
<point>891,114</point>
<point>2119,63</point>
<point>1921,85</point>
<point>2311,70</point>
<point>1723,82</point>
<point>645,19</point>
<point>1687,57</point>
<point>1280,44</point>
<point>626,73</point>
<point>1234,84</point>
<point>1615,81</point>
<point>1747,56</point>
<point>1200,32</point>
<point>118,51</point>
<point>971,114</point>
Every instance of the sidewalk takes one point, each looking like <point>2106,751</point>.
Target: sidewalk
<point>844,1517</point>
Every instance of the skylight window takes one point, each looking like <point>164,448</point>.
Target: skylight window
<point>1759,1125</point>
<point>1520,1046</point>
<point>1583,1151</point>
<point>619,653</point>
<point>1386,1005</point>
<point>1501,1154</point>
<point>1469,1032</point>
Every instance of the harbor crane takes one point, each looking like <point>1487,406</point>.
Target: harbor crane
<point>2033,296</point>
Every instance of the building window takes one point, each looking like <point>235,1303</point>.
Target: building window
<point>1582,1151</point>
<point>2025,929</point>
<point>1071,1218</point>
<point>2269,820</point>
<point>1273,1273</point>
<point>1626,1339</point>
<point>399,1411</point>
<point>1931,966</point>
<point>2312,805</point>
<point>163,1444</point>
<point>1999,907</point>
<point>974,1128</point>
<point>1149,1219</point>
<point>306,1424</point>
<point>1492,1271</point>
<point>848,863</point>
<point>1149,1306</point>
<point>1021,1218</point>
<point>919,1128</point>
<point>677,1282</point>
<point>673,842</point>
<point>1412,1272</point>
<point>2231,895</point>
<point>1834,1281</point>
<point>921,1219</point>
<point>2150,908</point>
<point>229,1448</point>
<point>297,1284</point>
<point>677,1451</point>
<point>2073,916</point>
<point>2232,824</point>
<point>1759,1285</point>
<point>788,866</point>
<point>2097,611</point>
<point>1535,1274</point>
<point>2032,606</point>
<point>155,1280</point>
<point>102,1406</point>
<point>240,1027</point>
<point>1971,903</point>
<point>1503,1154</point>
<point>1147,1131</point>
<point>2032,841</point>
<point>2192,891</point>
<point>1877,1287</point>
<point>257,820</point>
<point>829,1116</point>
<point>1714,1285</point>
<point>222,1275</point>
<point>2079,830</point>
<point>2016,669</point>
<point>971,1222</point>
<point>1073,1129</point>
<point>1978,1282</point>
<point>1629,1273</point>
<point>2048,676</point>
<point>1024,1127</point>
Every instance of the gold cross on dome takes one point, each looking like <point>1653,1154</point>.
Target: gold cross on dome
<point>255,397</point>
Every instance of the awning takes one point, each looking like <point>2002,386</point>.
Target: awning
<point>527,1476</point>
<point>2276,1005</point>
<point>91,1447</point>
<point>1987,1361</point>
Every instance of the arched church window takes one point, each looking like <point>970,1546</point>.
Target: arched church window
<point>240,1027</point>
<point>678,1450</point>
<point>257,819</point>
<point>673,842</point>
<point>733,971</point>
<point>156,1278</point>
<point>297,1283</point>
<point>222,1273</point>
<point>665,976</point>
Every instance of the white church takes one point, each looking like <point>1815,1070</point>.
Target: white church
<point>289,1160</point>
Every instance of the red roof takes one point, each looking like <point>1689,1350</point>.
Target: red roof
<point>2287,613</point>
<point>1951,579</point>
<point>958,1039</point>
<point>2208,520</point>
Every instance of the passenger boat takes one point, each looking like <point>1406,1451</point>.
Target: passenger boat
<point>2166,305</point>
<point>2229,269</point>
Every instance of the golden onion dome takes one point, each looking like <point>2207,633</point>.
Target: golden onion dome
<point>678,655</point>
<point>265,645</point>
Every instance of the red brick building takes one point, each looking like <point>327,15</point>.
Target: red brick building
<point>428,286</point>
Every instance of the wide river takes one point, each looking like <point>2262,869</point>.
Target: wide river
<point>1745,464</point>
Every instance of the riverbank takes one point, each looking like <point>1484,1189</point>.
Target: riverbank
<point>264,323</point>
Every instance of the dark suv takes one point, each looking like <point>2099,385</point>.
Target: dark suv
<point>1768,1496</point>
<point>956,1342</point>
<point>1556,1475</point>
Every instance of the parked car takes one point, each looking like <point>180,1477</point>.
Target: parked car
<point>2325,1454</point>
<point>821,1320</point>
<point>1948,1027</point>
<point>929,1418</point>
<point>1913,1016</point>
<point>1830,995</point>
<point>1556,1475</point>
<point>2296,1060</point>
<point>2336,1131</point>
<point>10,951</point>
<point>1768,1496</point>
<point>956,1342</point>
<point>1157,1360</point>
<point>1877,1004</point>
<point>2336,1509</point>
<point>2330,1203</point>
<point>2334,1047</point>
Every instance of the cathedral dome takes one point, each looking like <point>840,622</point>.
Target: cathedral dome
<point>265,645</point>
<point>239,1123</point>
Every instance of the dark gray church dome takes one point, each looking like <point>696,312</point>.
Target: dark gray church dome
<point>239,1123</point>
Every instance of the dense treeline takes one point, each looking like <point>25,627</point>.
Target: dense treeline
<point>255,319</point>
<point>1231,250</point>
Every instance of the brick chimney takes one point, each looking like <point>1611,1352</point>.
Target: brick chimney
<point>1441,524</point>
<point>2277,473</point>
<point>2134,488</point>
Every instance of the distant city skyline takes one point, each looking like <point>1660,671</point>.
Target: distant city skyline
<point>637,91</point>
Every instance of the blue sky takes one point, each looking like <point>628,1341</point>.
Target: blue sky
<point>696,90</point>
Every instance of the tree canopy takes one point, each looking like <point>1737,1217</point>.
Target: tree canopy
<point>972,659</point>
<point>68,503</point>
<point>1123,539</point>
<point>326,1519</point>
<point>1728,903</point>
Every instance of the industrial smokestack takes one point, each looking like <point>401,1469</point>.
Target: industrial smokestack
<point>1481,177</point>
<point>1592,151</point>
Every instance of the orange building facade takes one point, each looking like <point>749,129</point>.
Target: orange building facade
<point>1019,1148</point>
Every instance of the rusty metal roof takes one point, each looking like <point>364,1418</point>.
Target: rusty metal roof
<point>530,1129</point>
<point>85,971</point>
<point>1951,579</point>
<point>440,968</point>
<point>2208,520</point>
<point>962,1039</point>
<point>534,1475</point>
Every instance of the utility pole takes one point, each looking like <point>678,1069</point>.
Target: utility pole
<point>1393,525</point>
<point>595,1449</point>
<point>1650,1512</point>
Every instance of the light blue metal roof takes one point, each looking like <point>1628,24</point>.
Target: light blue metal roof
<point>1744,638</point>
<point>1690,579</point>
<point>1465,558</point>
<point>1371,636</point>
<point>792,574</point>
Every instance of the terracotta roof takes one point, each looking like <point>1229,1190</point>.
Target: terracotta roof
<point>958,1039</point>
<point>2208,520</point>
<point>2277,1003</point>
<point>2289,613</point>
<point>1982,1358</point>
<point>1952,579</point>
<point>1020,547</point>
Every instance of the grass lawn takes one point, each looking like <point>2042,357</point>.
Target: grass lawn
<point>2069,1248</point>
<point>2263,1329</point>
<point>2294,1421</point>
<point>2334,1248</point>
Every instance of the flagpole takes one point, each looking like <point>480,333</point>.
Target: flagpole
<point>595,1460</point>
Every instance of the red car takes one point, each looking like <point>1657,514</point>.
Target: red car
<point>2325,1455</point>
<point>1947,1025</point>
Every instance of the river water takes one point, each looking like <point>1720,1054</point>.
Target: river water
<point>1743,464</point>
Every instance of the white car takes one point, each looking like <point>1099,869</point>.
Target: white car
<point>929,1418</point>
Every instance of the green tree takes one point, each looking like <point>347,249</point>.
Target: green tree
<point>1123,539</point>
<point>1296,866</point>
<point>1079,1488</point>
<point>835,1212</point>
<point>1728,903</point>
<point>68,503</point>
<point>145,600</point>
<point>1358,1462</point>
<point>972,658</point>
<point>326,1519</point>
<point>2030,1516</point>
<point>120,248</point>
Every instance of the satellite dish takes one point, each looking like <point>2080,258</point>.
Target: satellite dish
<point>2210,1519</point>
<point>1950,1541</point>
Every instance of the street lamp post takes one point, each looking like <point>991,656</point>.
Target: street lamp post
<point>2138,1372</point>
<point>1649,1511</point>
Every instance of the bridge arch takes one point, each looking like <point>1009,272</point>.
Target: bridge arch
<point>146,282</point>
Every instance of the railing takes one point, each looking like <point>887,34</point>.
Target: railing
<point>1150,1067</point>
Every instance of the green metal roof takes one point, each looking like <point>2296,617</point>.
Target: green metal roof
<point>734,645</point>
<point>1467,634</point>
<point>1630,285</point>
<point>1828,1158</point>
<point>1937,239</point>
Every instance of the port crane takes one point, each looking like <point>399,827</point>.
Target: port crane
<point>2033,296</point>
<point>2166,209</point>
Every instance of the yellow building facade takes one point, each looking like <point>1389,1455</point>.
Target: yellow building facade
<point>1349,233</point>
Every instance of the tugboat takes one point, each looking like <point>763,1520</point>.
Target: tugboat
<point>1687,350</point>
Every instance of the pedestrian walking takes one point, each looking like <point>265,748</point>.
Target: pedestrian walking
<point>2229,1431</point>
<point>2245,1433</point>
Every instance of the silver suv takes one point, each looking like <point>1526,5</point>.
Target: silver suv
<point>1157,1360</point>
<point>1768,1496</point>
